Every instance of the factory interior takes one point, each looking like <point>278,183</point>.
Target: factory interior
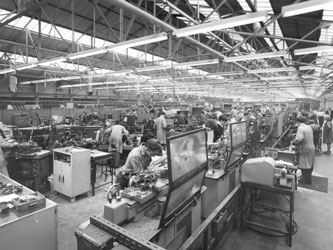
<point>166,124</point>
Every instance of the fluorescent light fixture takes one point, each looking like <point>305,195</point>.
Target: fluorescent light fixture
<point>139,41</point>
<point>311,50</point>
<point>68,78</point>
<point>304,7</point>
<point>51,79</point>
<point>256,56</point>
<point>270,70</point>
<point>89,84</point>
<point>189,77</point>
<point>120,72</point>
<point>278,78</point>
<point>25,83</point>
<point>5,71</point>
<point>196,63</point>
<point>318,69</point>
<point>222,24</point>
<point>86,53</point>
<point>73,85</point>
<point>38,81</point>
<point>51,61</point>
<point>27,66</point>
<point>230,73</point>
<point>153,68</point>
<point>308,67</point>
<point>160,79</point>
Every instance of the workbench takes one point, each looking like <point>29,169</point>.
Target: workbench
<point>31,170</point>
<point>35,228</point>
<point>96,157</point>
<point>286,192</point>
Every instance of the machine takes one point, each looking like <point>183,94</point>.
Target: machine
<point>156,212</point>
<point>266,171</point>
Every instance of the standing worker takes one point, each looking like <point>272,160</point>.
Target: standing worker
<point>117,132</point>
<point>181,118</point>
<point>304,139</point>
<point>160,127</point>
<point>4,144</point>
<point>327,133</point>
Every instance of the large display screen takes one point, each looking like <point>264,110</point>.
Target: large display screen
<point>187,164</point>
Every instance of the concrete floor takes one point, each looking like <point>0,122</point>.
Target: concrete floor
<point>313,215</point>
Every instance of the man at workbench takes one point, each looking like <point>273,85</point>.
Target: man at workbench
<point>138,161</point>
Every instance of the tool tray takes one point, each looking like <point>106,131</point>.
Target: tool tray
<point>26,202</point>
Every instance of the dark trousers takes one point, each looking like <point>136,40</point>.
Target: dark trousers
<point>306,173</point>
<point>321,120</point>
<point>122,179</point>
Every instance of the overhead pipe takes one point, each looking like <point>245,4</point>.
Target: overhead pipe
<point>137,11</point>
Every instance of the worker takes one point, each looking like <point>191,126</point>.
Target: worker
<point>201,118</point>
<point>181,118</point>
<point>4,144</point>
<point>320,116</point>
<point>316,134</point>
<point>146,137</point>
<point>216,126</point>
<point>160,128</point>
<point>117,132</point>
<point>138,161</point>
<point>306,147</point>
<point>327,133</point>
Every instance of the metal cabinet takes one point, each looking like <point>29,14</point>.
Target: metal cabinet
<point>35,228</point>
<point>71,171</point>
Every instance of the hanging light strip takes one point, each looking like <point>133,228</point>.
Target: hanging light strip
<point>196,63</point>
<point>256,56</point>
<point>304,7</point>
<point>48,62</point>
<point>270,70</point>
<point>222,24</point>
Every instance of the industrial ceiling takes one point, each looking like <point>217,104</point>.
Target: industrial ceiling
<point>249,50</point>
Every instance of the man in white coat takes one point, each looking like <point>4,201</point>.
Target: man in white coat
<point>160,127</point>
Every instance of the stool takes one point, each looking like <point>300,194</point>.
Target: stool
<point>105,170</point>
<point>109,167</point>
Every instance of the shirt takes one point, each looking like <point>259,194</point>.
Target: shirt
<point>137,161</point>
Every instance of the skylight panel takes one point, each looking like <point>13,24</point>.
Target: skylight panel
<point>86,40</point>
<point>263,5</point>
<point>32,25</point>
<point>326,35</point>
<point>244,5</point>
<point>20,22</point>
<point>5,15</point>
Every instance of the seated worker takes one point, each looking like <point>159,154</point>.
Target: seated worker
<point>138,161</point>
<point>181,118</point>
